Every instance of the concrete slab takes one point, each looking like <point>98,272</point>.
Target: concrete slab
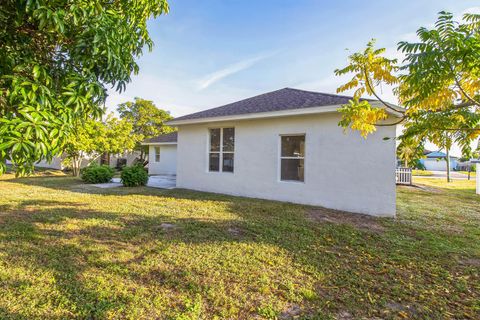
<point>107,185</point>
<point>161,181</point>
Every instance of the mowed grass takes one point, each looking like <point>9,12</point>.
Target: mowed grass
<point>69,250</point>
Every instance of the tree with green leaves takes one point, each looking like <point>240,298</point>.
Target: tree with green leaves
<point>410,151</point>
<point>438,84</point>
<point>57,59</point>
<point>92,138</point>
<point>147,120</point>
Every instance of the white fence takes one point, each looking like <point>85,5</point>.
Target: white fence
<point>403,176</point>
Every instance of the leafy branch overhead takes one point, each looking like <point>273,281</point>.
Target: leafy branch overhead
<point>57,59</point>
<point>438,83</point>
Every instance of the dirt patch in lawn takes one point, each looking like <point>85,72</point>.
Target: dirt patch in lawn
<point>471,262</point>
<point>357,220</point>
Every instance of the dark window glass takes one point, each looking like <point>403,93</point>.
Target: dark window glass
<point>293,146</point>
<point>292,169</point>
<point>227,162</point>
<point>214,162</point>
<point>228,139</point>
<point>214,139</point>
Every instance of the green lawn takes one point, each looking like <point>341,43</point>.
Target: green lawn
<point>422,172</point>
<point>69,250</point>
<point>472,174</point>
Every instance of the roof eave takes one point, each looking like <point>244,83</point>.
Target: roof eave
<point>157,143</point>
<point>270,114</point>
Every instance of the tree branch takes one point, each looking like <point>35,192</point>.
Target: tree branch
<point>367,82</point>
<point>389,124</point>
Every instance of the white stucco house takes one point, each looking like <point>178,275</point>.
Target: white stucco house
<point>162,154</point>
<point>283,145</point>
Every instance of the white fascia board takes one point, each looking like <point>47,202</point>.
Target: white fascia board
<point>271,114</point>
<point>157,143</point>
<point>258,115</point>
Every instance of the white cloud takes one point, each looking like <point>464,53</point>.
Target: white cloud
<point>218,75</point>
<point>475,10</point>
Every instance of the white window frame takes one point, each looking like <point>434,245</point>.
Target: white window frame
<point>155,154</point>
<point>280,157</point>
<point>220,152</point>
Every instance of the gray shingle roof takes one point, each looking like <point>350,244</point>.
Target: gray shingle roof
<point>163,138</point>
<point>279,100</point>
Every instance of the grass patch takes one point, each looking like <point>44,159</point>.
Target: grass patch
<point>69,250</point>
<point>424,173</point>
<point>472,173</point>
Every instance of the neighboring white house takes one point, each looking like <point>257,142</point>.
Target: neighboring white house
<point>436,161</point>
<point>115,160</point>
<point>285,145</point>
<point>162,154</point>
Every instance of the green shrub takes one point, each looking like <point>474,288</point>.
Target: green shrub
<point>97,174</point>
<point>134,176</point>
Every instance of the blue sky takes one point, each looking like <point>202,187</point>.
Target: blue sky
<point>211,52</point>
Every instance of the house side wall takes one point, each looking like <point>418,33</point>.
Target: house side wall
<point>130,156</point>
<point>438,164</point>
<point>55,164</point>
<point>342,171</point>
<point>168,160</point>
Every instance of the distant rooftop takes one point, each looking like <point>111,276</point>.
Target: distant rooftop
<point>163,138</point>
<point>437,155</point>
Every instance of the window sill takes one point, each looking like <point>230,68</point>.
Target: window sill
<point>291,181</point>
<point>220,172</point>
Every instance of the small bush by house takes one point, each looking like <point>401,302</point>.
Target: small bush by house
<point>134,176</point>
<point>97,173</point>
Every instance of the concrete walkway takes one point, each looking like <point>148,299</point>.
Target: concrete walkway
<point>160,181</point>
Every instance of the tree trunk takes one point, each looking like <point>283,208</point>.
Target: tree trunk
<point>76,161</point>
<point>448,165</point>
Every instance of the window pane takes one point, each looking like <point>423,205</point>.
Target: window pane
<point>214,139</point>
<point>228,139</point>
<point>157,154</point>
<point>292,169</point>
<point>293,146</point>
<point>214,162</point>
<point>227,162</point>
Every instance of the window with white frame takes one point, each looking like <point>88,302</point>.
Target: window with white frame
<point>292,157</point>
<point>157,153</point>
<point>221,150</point>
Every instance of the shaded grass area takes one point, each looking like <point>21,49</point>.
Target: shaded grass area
<point>69,250</point>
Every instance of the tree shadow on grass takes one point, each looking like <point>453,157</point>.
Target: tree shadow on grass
<point>353,262</point>
<point>36,237</point>
<point>40,251</point>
